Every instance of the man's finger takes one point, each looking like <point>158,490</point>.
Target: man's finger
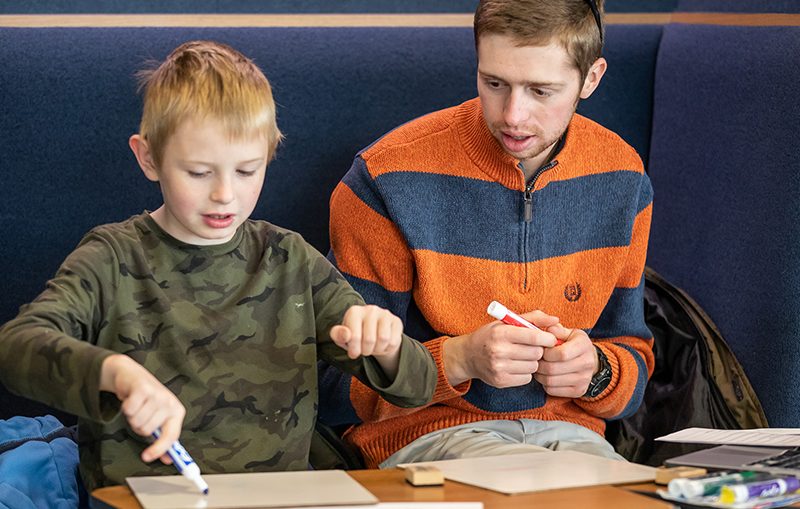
<point>528,337</point>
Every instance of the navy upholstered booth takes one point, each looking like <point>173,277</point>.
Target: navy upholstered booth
<point>743,6</point>
<point>69,104</point>
<point>712,111</point>
<point>286,6</point>
<point>725,166</point>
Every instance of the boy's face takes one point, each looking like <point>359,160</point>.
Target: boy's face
<point>209,182</point>
<point>529,94</point>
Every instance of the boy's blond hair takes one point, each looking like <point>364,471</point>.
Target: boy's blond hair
<point>571,23</point>
<point>206,79</point>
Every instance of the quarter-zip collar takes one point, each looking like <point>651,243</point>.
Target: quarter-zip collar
<point>485,151</point>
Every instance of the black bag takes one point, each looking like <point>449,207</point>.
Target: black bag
<point>697,381</point>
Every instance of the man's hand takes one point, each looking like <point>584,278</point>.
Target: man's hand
<point>567,369</point>
<point>371,330</point>
<point>146,403</point>
<point>501,355</point>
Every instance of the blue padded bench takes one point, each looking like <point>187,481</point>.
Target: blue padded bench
<point>725,166</point>
<point>69,104</point>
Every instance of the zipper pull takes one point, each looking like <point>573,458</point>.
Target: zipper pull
<point>528,206</point>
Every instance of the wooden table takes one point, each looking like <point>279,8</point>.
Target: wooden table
<point>390,486</point>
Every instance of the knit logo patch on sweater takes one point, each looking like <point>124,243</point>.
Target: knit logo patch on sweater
<point>572,291</point>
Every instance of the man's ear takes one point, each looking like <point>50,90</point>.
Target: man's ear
<point>593,77</point>
<point>143,155</point>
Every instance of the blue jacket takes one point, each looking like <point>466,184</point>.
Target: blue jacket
<point>38,464</point>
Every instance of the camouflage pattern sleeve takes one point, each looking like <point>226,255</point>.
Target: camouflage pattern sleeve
<point>46,352</point>
<point>416,377</point>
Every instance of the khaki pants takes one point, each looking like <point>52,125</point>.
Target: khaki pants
<point>496,438</point>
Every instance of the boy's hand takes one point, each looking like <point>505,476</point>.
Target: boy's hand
<point>146,403</point>
<point>371,330</point>
<point>567,369</point>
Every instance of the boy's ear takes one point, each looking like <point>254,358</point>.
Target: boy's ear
<point>143,155</point>
<point>593,77</point>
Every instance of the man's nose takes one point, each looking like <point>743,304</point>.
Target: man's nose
<point>516,109</point>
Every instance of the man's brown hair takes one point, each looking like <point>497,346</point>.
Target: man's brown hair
<point>571,23</point>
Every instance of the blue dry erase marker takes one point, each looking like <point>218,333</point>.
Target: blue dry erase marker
<point>185,464</point>
<point>761,489</point>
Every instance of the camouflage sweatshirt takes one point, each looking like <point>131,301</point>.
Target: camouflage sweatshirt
<point>234,330</point>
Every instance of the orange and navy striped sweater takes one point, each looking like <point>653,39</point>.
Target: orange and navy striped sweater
<point>435,220</point>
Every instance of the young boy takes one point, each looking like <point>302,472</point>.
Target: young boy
<point>194,319</point>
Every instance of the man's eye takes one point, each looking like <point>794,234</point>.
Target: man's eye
<point>493,84</point>
<point>541,92</point>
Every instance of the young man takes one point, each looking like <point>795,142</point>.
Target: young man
<point>194,319</point>
<point>510,197</point>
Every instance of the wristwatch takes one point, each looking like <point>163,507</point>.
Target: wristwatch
<point>601,379</point>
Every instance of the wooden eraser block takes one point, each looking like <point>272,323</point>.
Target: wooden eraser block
<point>665,474</point>
<point>424,475</point>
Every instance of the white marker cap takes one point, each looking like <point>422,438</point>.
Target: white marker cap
<point>497,310</point>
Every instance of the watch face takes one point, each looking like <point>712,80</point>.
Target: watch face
<point>601,379</point>
<point>599,382</point>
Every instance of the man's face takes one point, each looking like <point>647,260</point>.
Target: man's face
<point>209,182</point>
<point>528,95</point>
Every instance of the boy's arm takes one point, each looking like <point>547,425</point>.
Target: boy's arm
<point>370,251</point>
<point>339,311</point>
<point>46,352</point>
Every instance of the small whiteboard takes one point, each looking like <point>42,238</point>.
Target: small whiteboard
<point>268,489</point>
<point>539,471</point>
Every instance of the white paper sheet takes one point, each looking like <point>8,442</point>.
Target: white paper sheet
<point>539,471</point>
<point>268,489</point>
<point>409,505</point>
<point>776,437</point>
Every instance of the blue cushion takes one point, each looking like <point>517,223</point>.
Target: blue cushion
<point>753,6</point>
<point>726,179</point>
<point>237,6</point>
<point>624,100</point>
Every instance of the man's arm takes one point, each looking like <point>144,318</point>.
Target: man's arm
<point>620,334</point>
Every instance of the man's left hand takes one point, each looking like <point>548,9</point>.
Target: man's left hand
<point>566,370</point>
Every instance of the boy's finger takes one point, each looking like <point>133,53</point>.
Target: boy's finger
<point>385,335</point>
<point>369,332</point>
<point>156,449</point>
<point>170,432</point>
<point>353,320</point>
<point>340,335</point>
<point>133,404</point>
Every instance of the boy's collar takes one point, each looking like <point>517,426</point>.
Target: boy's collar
<point>213,250</point>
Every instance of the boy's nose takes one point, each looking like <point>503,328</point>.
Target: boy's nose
<point>222,191</point>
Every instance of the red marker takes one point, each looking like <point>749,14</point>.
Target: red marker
<point>502,313</point>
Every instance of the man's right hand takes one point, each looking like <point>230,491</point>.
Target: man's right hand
<point>498,354</point>
<point>146,403</point>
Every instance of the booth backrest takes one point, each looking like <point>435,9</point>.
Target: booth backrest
<point>69,103</point>
<point>725,166</point>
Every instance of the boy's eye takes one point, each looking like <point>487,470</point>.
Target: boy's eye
<point>197,174</point>
<point>246,173</point>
